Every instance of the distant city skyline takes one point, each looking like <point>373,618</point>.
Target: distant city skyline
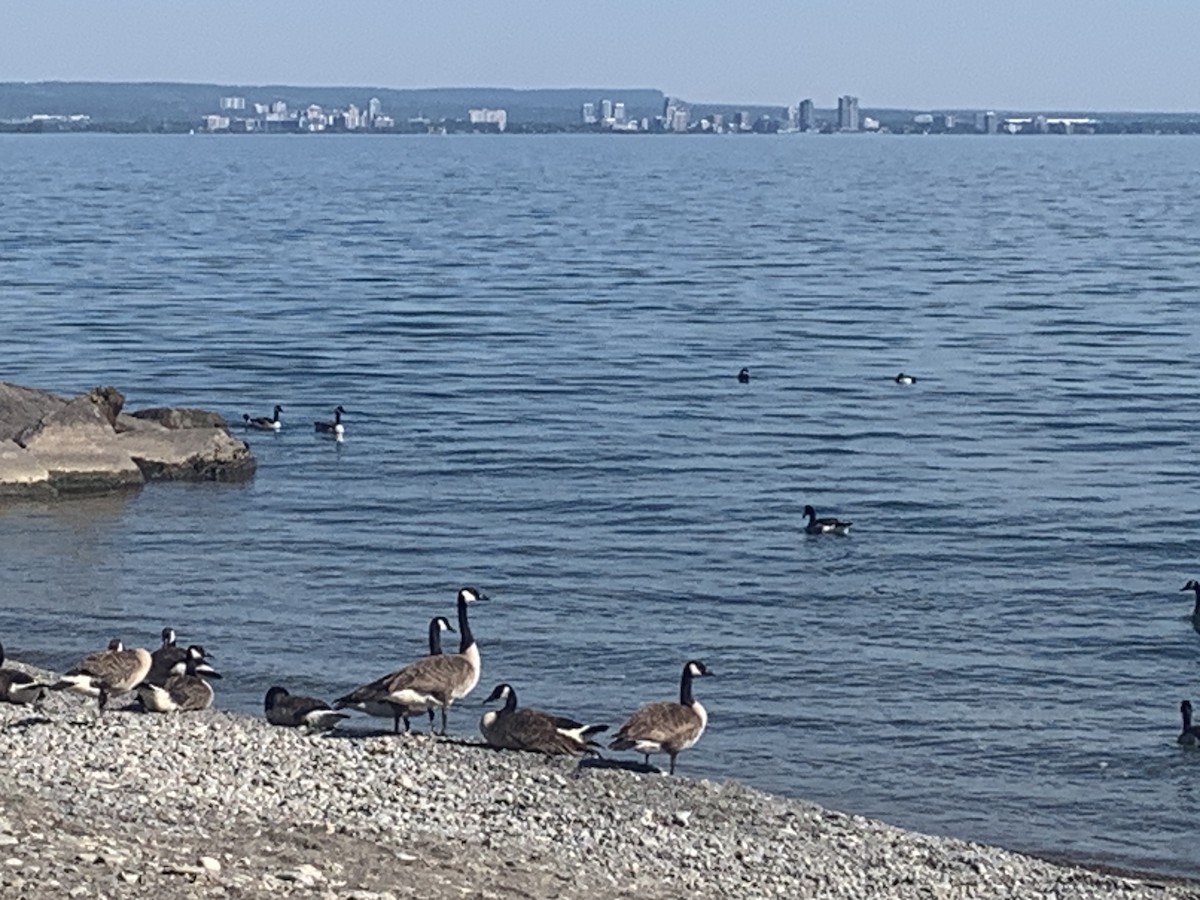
<point>1101,55</point>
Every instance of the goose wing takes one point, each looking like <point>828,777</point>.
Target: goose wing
<point>117,669</point>
<point>189,692</point>
<point>663,723</point>
<point>531,729</point>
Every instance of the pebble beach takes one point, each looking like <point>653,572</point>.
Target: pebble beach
<point>125,804</point>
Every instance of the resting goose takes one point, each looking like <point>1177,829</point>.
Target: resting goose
<point>432,681</point>
<point>170,659</point>
<point>906,379</point>
<point>293,711</point>
<point>1190,736</point>
<point>262,423</point>
<point>824,526</point>
<point>531,729</point>
<point>188,692</point>
<point>112,671</point>
<point>19,687</point>
<point>666,727</point>
<point>335,427</point>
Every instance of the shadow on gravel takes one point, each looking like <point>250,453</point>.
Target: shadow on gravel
<point>601,762</point>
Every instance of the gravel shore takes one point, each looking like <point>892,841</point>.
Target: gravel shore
<point>218,804</point>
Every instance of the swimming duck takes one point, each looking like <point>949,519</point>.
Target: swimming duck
<point>824,526</point>
<point>906,379</point>
<point>531,729</point>
<point>262,423</point>
<point>1190,736</point>
<point>744,376</point>
<point>666,727</point>
<point>434,681</point>
<point>335,427</point>
<point>188,692</point>
<point>19,687</point>
<point>112,671</point>
<point>293,711</point>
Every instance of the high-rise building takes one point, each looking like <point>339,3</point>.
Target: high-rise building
<point>606,109</point>
<point>619,112</point>
<point>589,114</point>
<point>805,116</point>
<point>847,113</point>
<point>233,103</point>
<point>374,109</point>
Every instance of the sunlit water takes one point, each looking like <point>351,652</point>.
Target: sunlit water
<point>537,339</point>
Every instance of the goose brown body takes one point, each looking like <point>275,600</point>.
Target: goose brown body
<point>666,727</point>
<point>511,728</point>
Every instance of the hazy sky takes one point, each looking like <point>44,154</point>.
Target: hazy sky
<point>1022,54</point>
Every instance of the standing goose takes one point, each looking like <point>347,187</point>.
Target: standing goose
<point>1190,736</point>
<point>531,729</point>
<point>335,427</point>
<point>666,727</point>
<point>437,625</point>
<point>262,423</point>
<point>180,693</point>
<point>432,681</point>
<point>824,526</point>
<point>19,687</point>
<point>112,671</point>
<point>293,711</point>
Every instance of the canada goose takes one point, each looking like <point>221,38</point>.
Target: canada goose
<point>744,376</point>
<point>531,729</point>
<point>334,427</point>
<point>906,379</point>
<point>112,671</point>
<point>432,681</point>
<point>824,526</point>
<point>1194,586</point>
<point>293,711</point>
<point>437,625</point>
<point>1190,736</point>
<point>19,687</point>
<point>170,659</point>
<point>179,693</point>
<point>262,423</point>
<point>666,727</point>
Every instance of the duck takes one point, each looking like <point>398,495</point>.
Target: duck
<point>744,376</point>
<point>666,727</point>
<point>262,423</point>
<point>294,711</point>
<point>19,687</point>
<point>434,681</point>
<point>188,692</point>
<point>824,526</point>
<point>906,379</point>
<point>335,427</point>
<point>107,672</point>
<point>533,730</point>
<point>1190,736</point>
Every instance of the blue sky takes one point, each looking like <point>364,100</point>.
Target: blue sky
<point>1007,54</point>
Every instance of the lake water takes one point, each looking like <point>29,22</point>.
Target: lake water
<point>536,340</point>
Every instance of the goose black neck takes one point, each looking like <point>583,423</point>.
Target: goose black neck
<point>510,702</point>
<point>685,688</point>
<point>435,638</point>
<point>1,654</point>
<point>1196,608</point>
<point>465,638</point>
<point>337,417</point>
<point>1186,712</point>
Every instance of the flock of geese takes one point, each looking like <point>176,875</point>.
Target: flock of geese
<point>176,679</point>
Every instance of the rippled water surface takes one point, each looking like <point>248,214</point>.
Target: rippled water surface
<point>536,340</point>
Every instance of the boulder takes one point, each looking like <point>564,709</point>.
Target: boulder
<point>21,474</point>
<point>21,408</point>
<point>50,445</point>
<point>79,448</point>
<point>181,417</point>
<point>185,454</point>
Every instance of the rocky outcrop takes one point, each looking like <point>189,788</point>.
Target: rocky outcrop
<point>50,445</point>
